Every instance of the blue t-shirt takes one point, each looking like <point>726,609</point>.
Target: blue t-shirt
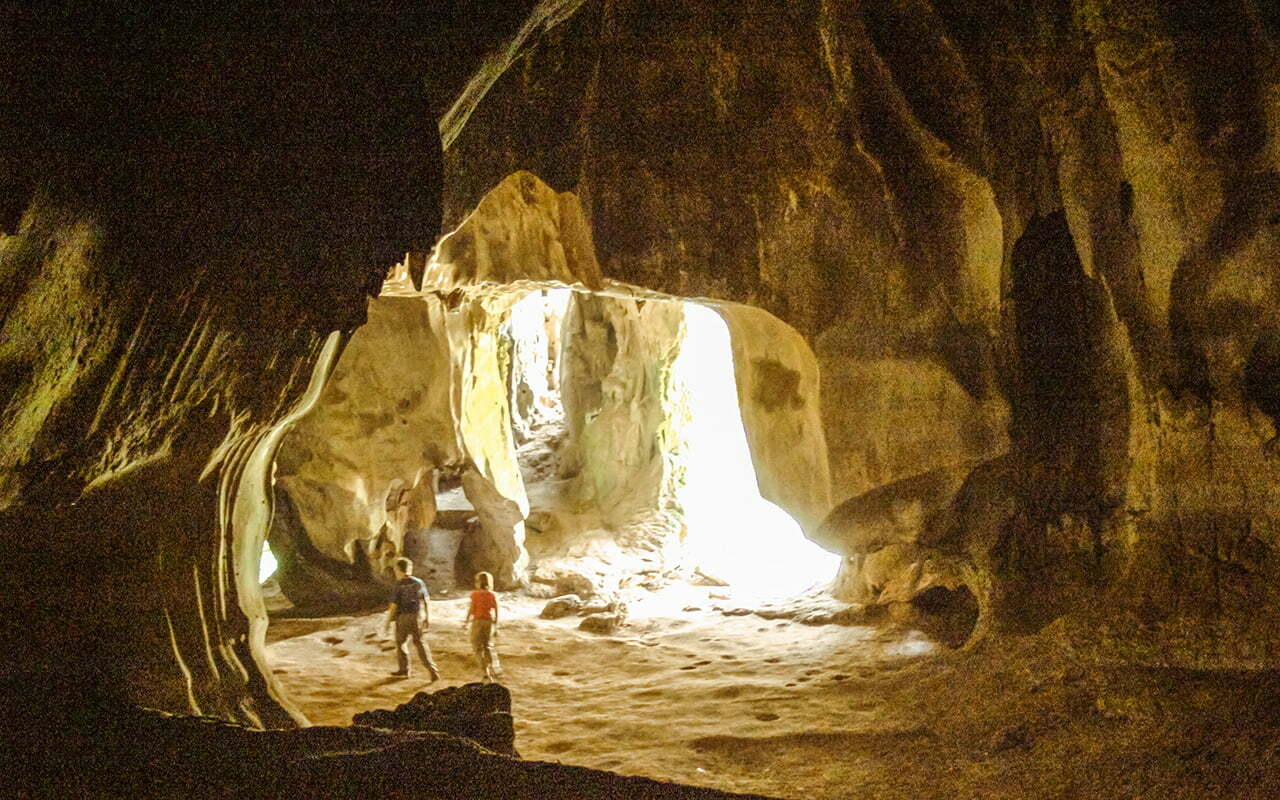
<point>408,594</point>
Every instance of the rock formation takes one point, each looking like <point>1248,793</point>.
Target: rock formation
<point>476,711</point>
<point>1034,245</point>
<point>450,379</point>
<point>199,217</point>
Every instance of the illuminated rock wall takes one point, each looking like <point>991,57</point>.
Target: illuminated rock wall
<point>1033,246</point>
<point>433,381</point>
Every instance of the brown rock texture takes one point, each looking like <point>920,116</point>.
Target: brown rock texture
<point>441,382</point>
<point>1036,245</point>
<point>479,712</point>
<point>198,214</point>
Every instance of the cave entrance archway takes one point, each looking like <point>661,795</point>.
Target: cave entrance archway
<point>626,410</point>
<point>522,415</point>
<point>568,441</point>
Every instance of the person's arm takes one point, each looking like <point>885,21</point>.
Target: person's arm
<point>466,621</point>
<point>424,610</point>
<point>391,616</point>
<point>495,615</point>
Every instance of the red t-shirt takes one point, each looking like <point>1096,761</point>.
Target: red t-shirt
<point>484,604</point>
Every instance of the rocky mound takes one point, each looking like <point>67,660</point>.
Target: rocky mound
<point>480,712</point>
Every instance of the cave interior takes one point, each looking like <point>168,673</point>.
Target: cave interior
<point>849,399</point>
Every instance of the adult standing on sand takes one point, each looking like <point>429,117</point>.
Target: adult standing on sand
<point>409,611</point>
<point>482,616</point>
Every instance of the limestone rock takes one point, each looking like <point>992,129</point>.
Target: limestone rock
<point>778,387</point>
<point>566,579</point>
<point>604,605</point>
<point>603,623</point>
<point>173,275</point>
<point>880,530</point>
<point>521,230</point>
<point>540,591</point>
<point>562,606</point>
<point>480,712</point>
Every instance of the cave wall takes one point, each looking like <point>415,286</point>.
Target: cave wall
<point>443,380</point>
<point>357,473</point>
<point>615,367</point>
<point>779,395</point>
<point>190,210</point>
<point>196,210</point>
<point>423,388</point>
<point>919,188</point>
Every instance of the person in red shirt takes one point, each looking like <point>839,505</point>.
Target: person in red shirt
<point>482,617</point>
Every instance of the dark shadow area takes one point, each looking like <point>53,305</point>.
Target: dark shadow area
<point>948,615</point>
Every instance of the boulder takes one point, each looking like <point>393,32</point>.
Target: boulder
<point>566,580</point>
<point>603,605</point>
<point>480,712</point>
<point>562,606</point>
<point>603,624</point>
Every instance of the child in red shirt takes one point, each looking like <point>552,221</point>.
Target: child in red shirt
<point>482,616</point>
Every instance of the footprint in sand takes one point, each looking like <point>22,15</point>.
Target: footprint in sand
<point>766,717</point>
<point>839,677</point>
<point>689,666</point>
<point>340,653</point>
<point>773,660</point>
<point>790,685</point>
<point>727,657</point>
<point>560,673</point>
<point>700,663</point>
<point>387,648</point>
<point>332,640</point>
<point>555,748</point>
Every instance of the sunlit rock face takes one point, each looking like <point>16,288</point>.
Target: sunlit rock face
<point>1043,257</point>
<point>522,230</point>
<point>356,474</point>
<point>451,381</point>
<point>419,390</point>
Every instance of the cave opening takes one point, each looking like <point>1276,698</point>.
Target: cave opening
<point>641,473</point>
<point>605,454</point>
<point>593,442</point>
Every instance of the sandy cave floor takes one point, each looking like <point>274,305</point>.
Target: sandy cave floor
<point>788,710</point>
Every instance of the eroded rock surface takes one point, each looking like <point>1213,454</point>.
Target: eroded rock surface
<point>1056,267</point>
<point>190,213</point>
<point>531,388</point>
<point>479,712</point>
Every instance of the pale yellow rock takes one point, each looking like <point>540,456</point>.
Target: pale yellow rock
<point>778,393</point>
<point>521,231</point>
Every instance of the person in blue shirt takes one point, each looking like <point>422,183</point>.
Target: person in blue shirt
<point>408,610</point>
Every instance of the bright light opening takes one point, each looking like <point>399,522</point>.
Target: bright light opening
<point>266,565</point>
<point>734,534</point>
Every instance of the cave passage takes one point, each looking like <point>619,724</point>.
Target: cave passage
<point>625,432</point>
<point>734,534</point>
<point>619,429</point>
